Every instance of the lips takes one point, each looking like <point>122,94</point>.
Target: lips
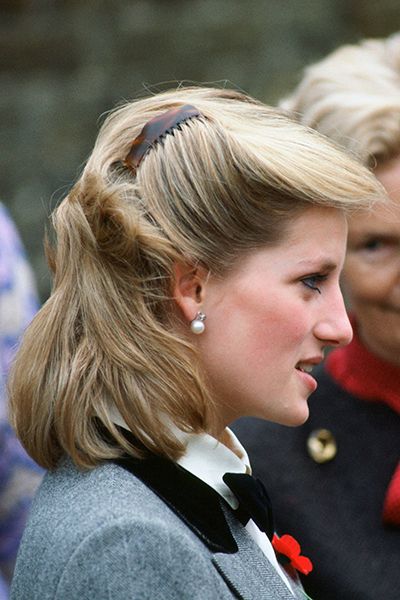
<point>308,380</point>
<point>304,368</point>
<point>308,364</point>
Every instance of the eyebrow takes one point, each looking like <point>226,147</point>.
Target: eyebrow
<point>387,235</point>
<point>319,264</point>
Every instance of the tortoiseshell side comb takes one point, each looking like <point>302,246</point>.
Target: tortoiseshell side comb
<point>155,130</point>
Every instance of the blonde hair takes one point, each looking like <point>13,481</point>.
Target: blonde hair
<point>353,97</point>
<point>215,188</point>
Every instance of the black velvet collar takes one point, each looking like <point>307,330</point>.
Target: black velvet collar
<point>196,503</point>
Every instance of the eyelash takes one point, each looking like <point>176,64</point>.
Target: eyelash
<point>311,281</point>
<point>372,244</point>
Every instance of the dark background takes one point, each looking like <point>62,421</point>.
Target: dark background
<point>63,63</point>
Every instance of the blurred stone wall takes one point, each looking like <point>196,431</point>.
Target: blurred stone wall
<point>65,62</point>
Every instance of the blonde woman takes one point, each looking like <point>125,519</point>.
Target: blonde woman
<point>340,488</point>
<point>196,280</point>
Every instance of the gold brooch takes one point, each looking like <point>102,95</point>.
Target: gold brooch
<point>321,445</point>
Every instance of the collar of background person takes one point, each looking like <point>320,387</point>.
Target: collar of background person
<point>365,375</point>
<point>391,506</point>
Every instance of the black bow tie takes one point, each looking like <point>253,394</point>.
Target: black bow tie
<point>254,502</point>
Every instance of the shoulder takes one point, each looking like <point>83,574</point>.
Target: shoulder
<point>88,500</point>
<point>92,532</point>
<point>134,558</point>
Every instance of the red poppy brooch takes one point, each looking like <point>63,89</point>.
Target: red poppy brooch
<point>288,551</point>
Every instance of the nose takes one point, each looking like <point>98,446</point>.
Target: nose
<point>334,327</point>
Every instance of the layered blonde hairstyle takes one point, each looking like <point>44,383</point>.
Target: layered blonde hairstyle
<point>109,337</point>
<point>353,97</point>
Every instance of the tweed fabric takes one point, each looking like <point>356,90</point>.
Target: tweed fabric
<point>104,535</point>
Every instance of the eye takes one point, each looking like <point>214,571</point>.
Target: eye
<point>313,281</point>
<point>373,245</point>
<point>376,249</point>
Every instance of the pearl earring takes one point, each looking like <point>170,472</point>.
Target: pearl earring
<point>197,325</point>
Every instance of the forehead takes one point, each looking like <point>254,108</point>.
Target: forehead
<point>314,239</point>
<point>382,219</point>
<point>313,223</point>
<point>389,175</point>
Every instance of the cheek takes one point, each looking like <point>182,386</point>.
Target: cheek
<point>274,336</point>
<point>256,327</point>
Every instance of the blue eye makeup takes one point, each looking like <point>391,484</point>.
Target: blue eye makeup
<point>312,282</point>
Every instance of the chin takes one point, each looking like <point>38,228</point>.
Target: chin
<point>297,422</point>
<point>295,418</point>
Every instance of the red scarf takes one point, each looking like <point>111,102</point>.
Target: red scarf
<point>370,378</point>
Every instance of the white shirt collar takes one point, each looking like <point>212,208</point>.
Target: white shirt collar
<point>208,459</point>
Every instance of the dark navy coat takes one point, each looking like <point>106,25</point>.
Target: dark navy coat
<point>334,509</point>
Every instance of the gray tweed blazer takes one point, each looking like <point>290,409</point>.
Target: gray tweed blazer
<point>138,530</point>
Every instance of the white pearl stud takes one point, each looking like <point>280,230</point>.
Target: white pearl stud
<point>197,325</point>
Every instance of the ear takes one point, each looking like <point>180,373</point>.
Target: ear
<point>189,289</point>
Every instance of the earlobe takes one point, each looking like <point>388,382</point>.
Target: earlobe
<point>189,289</point>
<point>197,326</point>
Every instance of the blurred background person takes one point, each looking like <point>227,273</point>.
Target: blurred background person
<point>337,485</point>
<point>19,476</point>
